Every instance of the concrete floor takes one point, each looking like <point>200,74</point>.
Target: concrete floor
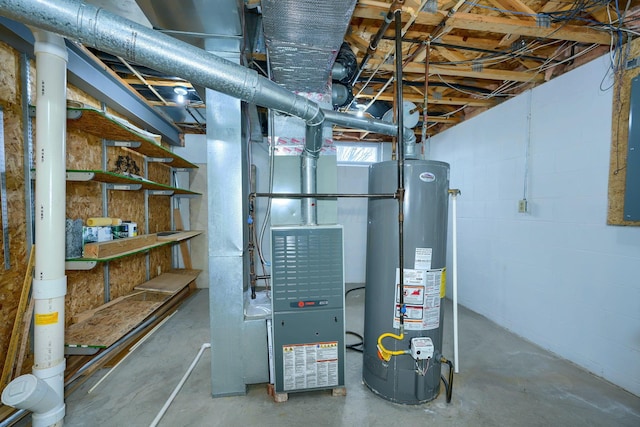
<point>504,381</point>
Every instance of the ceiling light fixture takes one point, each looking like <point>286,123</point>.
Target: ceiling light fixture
<point>181,93</point>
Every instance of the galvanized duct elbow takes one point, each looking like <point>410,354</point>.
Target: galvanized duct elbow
<point>409,144</point>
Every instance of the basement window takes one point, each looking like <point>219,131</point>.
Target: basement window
<point>358,153</point>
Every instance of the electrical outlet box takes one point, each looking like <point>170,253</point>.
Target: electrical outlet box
<point>422,348</point>
<point>523,206</point>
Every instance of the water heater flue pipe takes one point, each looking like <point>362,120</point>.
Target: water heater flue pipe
<point>309,170</point>
<point>43,392</point>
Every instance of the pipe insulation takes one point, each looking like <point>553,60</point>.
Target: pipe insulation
<point>43,392</point>
<point>98,28</point>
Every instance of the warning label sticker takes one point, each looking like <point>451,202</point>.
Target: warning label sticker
<point>46,319</point>
<point>421,299</point>
<point>423,258</point>
<point>310,365</point>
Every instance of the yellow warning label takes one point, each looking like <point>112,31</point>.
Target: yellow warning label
<point>443,283</point>
<point>46,319</point>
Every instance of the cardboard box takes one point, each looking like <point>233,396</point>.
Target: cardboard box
<point>96,234</point>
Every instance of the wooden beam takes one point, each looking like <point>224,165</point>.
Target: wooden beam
<point>487,73</point>
<point>379,13</point>
<point>516,6</point>
<point>357,42</point>
<point>442,101</point>
<point>494,24</point>
<point>111,248</point>
<point>449,54</point>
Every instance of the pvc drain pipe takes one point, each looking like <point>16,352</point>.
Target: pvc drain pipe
<point>164,409</point>
<point>454,238</point>
<point>43,392</point>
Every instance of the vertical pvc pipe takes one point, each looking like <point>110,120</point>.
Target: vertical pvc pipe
<point>50,282</point>
<point>454,238</point>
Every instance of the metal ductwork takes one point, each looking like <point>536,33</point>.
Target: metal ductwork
<point>303,38</point>
<point>110,33</point>
<point>195,21</point>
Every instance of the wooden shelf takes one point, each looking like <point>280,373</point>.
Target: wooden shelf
<point>105,126</point>
<point>123,182</point>
<point>169,283</point>
<point>103,326</point>
<point>125,248</point>
<point>108,324</point>
<point>177,236</point>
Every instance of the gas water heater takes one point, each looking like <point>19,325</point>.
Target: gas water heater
<point>412,374</point>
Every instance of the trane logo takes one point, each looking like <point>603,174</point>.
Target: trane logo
<point>427,177</point>
<point>303,304</point>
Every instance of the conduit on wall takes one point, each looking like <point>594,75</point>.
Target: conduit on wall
<point>43,392</point>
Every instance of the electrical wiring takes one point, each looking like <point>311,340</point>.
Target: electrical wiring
<point>515,86</point>
<point>359,345</point>
<point>422,370</point>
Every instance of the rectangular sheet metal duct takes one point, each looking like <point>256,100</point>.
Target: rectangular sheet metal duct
<point>303,38</point>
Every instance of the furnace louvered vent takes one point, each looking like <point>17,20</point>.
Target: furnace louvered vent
<point>306,266</point>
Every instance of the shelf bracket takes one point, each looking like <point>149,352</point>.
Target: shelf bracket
<point>123,187</point>
<point>160,159</point>
<point>160,192</point>
<point>79,176</point>
<point>125,144</point>
<point>186,196</point>
<point>79,265</point>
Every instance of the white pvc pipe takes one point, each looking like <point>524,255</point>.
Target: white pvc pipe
<point>454,238</point>
<point>175,392</point>
<point>50,282</point>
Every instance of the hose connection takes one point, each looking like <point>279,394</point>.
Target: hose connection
<point>385,354</point>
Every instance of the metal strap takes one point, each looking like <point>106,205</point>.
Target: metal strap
<point>3,196</point>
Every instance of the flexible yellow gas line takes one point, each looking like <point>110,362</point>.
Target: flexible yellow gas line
<point>385,354</point>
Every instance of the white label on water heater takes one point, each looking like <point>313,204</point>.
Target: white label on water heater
<point>427,177</point>
<point>423,259</point>
<point>310,365</point>
<point>421,300</point>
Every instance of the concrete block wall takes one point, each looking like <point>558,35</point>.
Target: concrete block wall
<point>557,275</point>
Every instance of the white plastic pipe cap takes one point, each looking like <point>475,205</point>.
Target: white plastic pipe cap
<point>31,393</point>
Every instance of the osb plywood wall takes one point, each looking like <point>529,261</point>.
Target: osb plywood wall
<point>84,151</point>
<point>619,141</point>
<point>11,279</point>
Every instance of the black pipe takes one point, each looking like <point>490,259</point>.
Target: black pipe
<point>323,195</point>
<point>448,384</point>
<point>400,121</point>
<point>373,44</point>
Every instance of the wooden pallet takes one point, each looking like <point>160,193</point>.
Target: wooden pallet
<point>283,397</point>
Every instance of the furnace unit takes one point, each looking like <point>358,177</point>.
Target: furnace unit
<point>308,308</point>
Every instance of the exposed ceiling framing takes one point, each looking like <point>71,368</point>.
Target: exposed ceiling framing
<point>476,54</point>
